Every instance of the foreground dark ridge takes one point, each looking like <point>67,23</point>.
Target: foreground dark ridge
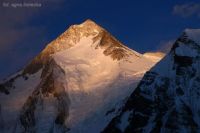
<point>167,99</point>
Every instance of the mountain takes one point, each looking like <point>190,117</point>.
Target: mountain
<point>74,85</point>
<point>167,98</point>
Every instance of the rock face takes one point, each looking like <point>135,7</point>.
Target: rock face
<point>74,85</point>
<point>49,101</point>
<point>167,98</point>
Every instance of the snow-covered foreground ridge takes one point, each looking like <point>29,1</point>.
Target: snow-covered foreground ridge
<point>167,98</point>
<point>76,84</point>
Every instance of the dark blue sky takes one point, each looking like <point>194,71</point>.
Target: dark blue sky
<point>143,25</point>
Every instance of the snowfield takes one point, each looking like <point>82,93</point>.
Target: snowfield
<point>96,83</point>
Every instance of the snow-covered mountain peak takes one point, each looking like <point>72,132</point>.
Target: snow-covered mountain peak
<point>67,39</point>
<point>88,29</point>
<point>105,40</point>
<point>188,44</point>
<point>184,51</point>
<point>90,23</point>
<point>72,84</point>
<point>193,34</point>
<point>85,29</point>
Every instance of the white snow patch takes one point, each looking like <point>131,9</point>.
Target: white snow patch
<point>184,50</point>
<point>124,121</point>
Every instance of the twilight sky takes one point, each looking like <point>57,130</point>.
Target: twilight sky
<point>143,25</point>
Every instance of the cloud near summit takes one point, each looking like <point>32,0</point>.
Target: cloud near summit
<point>187,10</point>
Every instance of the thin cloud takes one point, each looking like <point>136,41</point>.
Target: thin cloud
<point>187,10</point>
<point>165,46</point>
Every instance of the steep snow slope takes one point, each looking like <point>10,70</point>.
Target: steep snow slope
<point>12,102</point>
<point>98,81</point>
<point>74,85</point>
<point>167,98</point>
